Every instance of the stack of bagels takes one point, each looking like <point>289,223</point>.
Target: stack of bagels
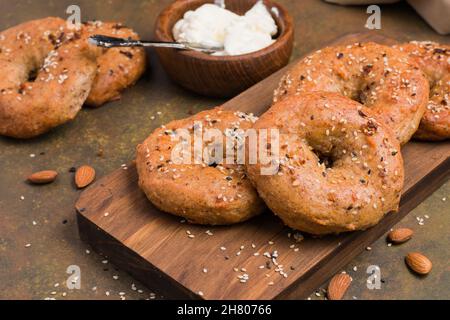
<point>342,115</point>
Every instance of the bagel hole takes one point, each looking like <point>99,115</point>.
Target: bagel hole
<point>326,160</point>
<point>33,74</point>
<point>327,152</point>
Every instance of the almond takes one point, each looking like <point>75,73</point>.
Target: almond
<point>418,263</point>
<point>43,177</point>
<point>338,286</point>
<point>400,235</point>
<point>84,176</point>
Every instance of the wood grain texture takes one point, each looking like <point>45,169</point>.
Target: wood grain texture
<point>227,76</point>
<point>154,246</point>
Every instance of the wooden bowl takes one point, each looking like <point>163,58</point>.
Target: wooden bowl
<point>223,76</point>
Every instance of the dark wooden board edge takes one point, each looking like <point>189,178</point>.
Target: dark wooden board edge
<point>128,260</point>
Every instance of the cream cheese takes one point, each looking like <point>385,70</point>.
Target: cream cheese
<point>214,26</point>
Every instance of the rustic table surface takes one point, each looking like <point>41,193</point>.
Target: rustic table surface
<point>38,231</point>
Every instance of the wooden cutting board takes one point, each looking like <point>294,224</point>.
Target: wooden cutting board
<point>154,247</point>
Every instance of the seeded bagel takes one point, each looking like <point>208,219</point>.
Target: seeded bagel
<point>206,193</point>
<point>338,170</point>
<point>380,77</point>
<point>118,68</point>
<point>434,59</point>
<point>46,74</point>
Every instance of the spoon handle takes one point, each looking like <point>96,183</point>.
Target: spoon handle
<point>111,42</point>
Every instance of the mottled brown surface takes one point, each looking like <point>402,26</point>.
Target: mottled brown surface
<point>106,138</point>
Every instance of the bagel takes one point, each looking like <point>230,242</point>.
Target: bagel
<point>118,68</point>
<point>46,74</point>
<point>207,193</point>
<point>434,60</point>
<point>339,169</point>
<point>380,77</point>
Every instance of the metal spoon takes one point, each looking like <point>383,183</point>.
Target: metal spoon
<point>111,42</point>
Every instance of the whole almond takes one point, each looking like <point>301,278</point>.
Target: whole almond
<point>84,176</point>
<point>338,286</point>
<point>43,177</point>
<point>400,235</point>
<point>418,263</point>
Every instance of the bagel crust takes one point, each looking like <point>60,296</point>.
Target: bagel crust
<point>207,193</point>
<point>339,169</point>
<point>380,77</point>
<point>434,60</point>
<point>65,69</point>
<point>118,68</point>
